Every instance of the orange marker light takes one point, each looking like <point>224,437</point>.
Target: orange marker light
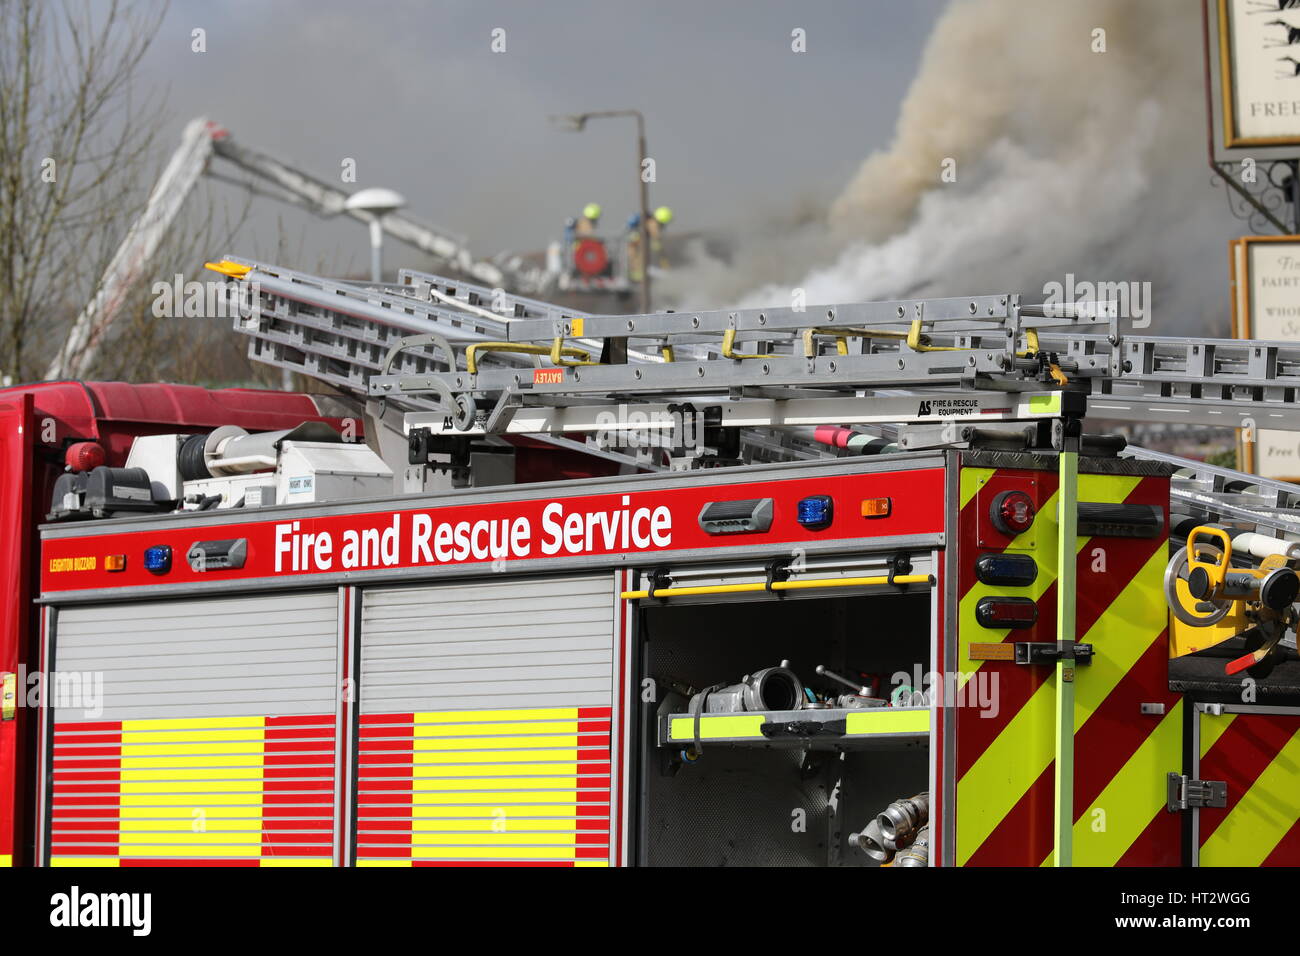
<point>875,507</point>
<point>115,562</point>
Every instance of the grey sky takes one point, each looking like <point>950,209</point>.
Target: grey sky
<point>738,124</point>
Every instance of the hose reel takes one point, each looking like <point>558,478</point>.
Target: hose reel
<point>1203,587</point>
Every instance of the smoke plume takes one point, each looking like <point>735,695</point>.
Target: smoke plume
<point>1068,158</point>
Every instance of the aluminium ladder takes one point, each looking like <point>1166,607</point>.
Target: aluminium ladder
<point>776,373</point>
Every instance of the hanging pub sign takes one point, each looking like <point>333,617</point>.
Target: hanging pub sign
<point>1253,49</point>
<point>1266,306</point>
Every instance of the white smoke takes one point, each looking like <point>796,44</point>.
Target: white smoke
<point>1067,160</point>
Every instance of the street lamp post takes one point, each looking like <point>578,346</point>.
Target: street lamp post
<point>575,123</point>
<point>373,205</point>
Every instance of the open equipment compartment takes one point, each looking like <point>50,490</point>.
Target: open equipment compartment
<point>782,795</point>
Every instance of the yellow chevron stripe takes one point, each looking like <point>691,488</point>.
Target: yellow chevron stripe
<point>970,628</point>
<point>1041,541</point>
<point>1124,809</point>
<point>1025,748</point>
<point>1212,728</point>
<point>1262,817</point>
<point>971,481</point>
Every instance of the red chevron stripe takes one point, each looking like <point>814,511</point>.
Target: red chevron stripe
<point>1160,844</point>
<point>1095,592</point>
<point>1239,756</point>
<point>1102,746</point>
<point>1287,851</point>
<point>968,546</point>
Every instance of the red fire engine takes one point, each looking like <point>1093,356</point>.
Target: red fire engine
<point>946,643</point>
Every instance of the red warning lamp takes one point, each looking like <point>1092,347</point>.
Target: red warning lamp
<point>1012,513</point>
<point>1002,612</point>
<point>84,456</point>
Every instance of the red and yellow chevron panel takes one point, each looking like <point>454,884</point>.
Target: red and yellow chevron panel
<point>527,787</point>
<point>1258,756</point>
<point>210,791</point>
<point>1005,752</point>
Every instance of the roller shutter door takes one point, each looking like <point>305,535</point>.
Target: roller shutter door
<point>195,731</point>
<point>485,722</point>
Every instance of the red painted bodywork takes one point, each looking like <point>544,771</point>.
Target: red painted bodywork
<point>37,423</point>
<point>914,494</point>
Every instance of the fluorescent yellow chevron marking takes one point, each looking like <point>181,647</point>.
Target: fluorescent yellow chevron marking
<point>1212,728</point>
<point>6,860</point>
<point>1131,799</point>
<point>578,863</point>
<point>1044,557</point>
<point>1261,817</point>
<point>1024,749</point>
<point>1104,488</point>
<point>971,481</point>
<point>1005,771</point>
<point>79,861</point>
<point>398,863</point>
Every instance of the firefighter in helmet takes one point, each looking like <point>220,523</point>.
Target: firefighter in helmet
<point>590,219</point>
<point>659,221</point>
<point>635,259</point>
